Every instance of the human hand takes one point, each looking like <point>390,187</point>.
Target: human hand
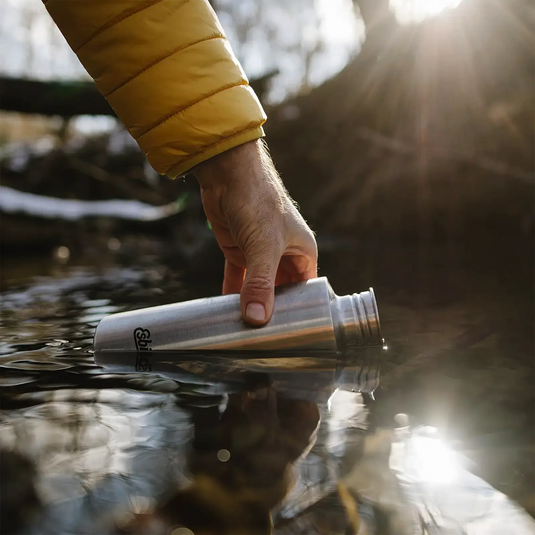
<point>265,240</point>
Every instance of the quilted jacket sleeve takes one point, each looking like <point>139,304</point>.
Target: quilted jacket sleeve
<point>169,73</point>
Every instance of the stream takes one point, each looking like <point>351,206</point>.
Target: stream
<point>433,435</point>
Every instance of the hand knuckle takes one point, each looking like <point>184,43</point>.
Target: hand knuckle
<point>259,283</point>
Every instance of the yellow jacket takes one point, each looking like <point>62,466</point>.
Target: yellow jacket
<point>169,73</point>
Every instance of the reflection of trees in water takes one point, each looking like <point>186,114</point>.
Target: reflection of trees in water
<point>100,454</point>
<point>98,451</point>
<point>95,450</point>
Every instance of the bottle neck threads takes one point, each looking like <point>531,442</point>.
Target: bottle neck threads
<point>358,320</point>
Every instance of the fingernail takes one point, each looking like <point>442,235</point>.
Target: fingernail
<point>255,312</point>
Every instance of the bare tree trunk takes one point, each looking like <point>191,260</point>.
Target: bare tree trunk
<point>350,152</point>
<point>374,13</point>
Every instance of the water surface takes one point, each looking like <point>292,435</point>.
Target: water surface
<point>224,442</point>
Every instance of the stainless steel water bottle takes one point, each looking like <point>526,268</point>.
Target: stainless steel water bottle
<point>306,315</point>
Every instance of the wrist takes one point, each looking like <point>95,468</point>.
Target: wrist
<point>229,166</point>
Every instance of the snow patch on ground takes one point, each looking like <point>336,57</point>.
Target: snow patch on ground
<point>14,201</point>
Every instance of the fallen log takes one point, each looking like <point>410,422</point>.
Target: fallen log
<point>72,98</point>
<point>63,99</point>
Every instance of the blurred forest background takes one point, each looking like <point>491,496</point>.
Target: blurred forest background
<point>391,122</point>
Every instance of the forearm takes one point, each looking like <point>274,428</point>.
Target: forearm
<point>247,160</point>
<point>168,72</point>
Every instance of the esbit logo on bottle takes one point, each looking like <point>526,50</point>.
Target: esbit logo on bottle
<point>143,341</point>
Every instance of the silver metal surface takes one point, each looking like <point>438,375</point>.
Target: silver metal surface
<point>306,315</point>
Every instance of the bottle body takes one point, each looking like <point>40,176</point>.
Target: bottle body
<point>305,315</point>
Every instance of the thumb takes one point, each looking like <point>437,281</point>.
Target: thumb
<point>257,294</point>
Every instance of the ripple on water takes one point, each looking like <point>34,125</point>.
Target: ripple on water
<point>14,380</point>
<point>34,365</point>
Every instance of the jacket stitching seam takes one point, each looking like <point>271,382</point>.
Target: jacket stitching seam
<point>159,60</point>
<point>208,147</point>
<point>110,24</point>
<point>177,112</point>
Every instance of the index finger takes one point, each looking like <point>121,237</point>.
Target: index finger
<point>232,278</point>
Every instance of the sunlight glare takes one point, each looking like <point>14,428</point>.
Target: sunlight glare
<point>433,460</point>
<point>417,10</point>
<point>338,23</point>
